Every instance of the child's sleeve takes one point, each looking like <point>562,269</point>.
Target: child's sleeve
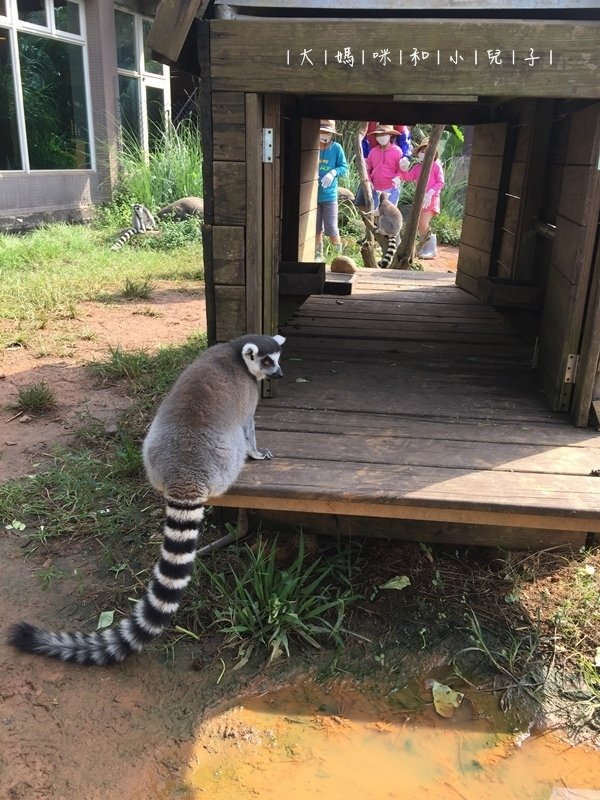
<point>438,177</point>
<point>341,164</point>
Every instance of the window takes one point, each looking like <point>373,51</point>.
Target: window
<point>43,86</point>
<point>144,93</point>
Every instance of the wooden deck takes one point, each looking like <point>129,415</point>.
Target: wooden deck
<point>410,404</point>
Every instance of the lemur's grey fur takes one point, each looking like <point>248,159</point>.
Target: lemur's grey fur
<point>143,220</point>
<point>195,449</point>
<point>390,225</point>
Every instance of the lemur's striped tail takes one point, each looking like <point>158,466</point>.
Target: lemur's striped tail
<point>151,614</point>
<point>389,253</point>
<point>123,238</point>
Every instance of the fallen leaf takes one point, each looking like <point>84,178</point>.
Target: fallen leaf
<point>399,582</point>
<point>105,620</point>
<point>445,699</point>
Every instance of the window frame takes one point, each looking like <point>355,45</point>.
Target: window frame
<point>14,25</point>
<point>144,78</point>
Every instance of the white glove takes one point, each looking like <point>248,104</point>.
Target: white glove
<point>427,198</point>
<point>397,182</point>
<point>327,179</point>
<point>404,164</point>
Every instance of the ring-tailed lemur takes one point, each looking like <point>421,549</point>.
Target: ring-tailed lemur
<point>183,208</point>
<point>142,219</point>
<point>194,450</point>
<point>390,225</point>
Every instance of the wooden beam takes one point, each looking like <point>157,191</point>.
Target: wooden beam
<point>171,25</point>
<point>292,55</point>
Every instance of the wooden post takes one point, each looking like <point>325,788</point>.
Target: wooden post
<point>405,254</point>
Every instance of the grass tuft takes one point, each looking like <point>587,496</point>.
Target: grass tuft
<point>36,397</point>
<point>138,289</point>
<point>259,606</point>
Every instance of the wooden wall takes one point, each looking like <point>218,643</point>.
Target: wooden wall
<point>572,253</point>
<point>481,205</point>
<point>227,236</point>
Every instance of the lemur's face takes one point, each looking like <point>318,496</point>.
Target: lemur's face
<point>263,363</point>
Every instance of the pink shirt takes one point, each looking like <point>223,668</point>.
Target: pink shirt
<point>383,165</point>
<point>435,182</point>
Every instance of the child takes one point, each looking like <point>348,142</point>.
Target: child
<point>332,164</point>
<point>431,200</point>
<point>383,163</point>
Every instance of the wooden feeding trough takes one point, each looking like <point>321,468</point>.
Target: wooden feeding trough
<point>450,407</point>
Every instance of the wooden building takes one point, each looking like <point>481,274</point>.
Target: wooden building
<point>453,402</point>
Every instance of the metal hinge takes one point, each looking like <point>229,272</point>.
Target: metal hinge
<point>571,369</point>
<point>267,145</point>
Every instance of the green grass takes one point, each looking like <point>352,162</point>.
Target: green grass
<point>36,397</point>
<point>259,606</point>
<point>46,273</point>
<point>138,289</point>
<point>149,374</point>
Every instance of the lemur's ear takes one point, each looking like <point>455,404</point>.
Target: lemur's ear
<point>279,339</point>
<point>249,351</point>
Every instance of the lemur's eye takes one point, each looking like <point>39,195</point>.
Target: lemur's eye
<point>267,361</point>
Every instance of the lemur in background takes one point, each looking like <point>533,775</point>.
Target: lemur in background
<point>142,219</point>
<point>195,449</point>
<point>390,225</point>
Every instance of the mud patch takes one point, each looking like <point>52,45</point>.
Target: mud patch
<point>307,741</point>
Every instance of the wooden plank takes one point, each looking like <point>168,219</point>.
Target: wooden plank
<point>546,432</point>
<point>481,202</point>
<point>467,282</point>
<point>229,255</point>
<point>271,221</point>
<point>425,5</point>
<point>477,233</point>
<point>229,180</point>
<point>577,184</point>
<point>253,196</point>
<point>229,312</point>
<point>563,502</point>
<point>472,262</point>
<point>488,140</point>
<point>485,171</point>
<point>261,64</point>
<point>587,372</point>
<point>229,108</point>
<point>416,530</point>
<point>532,191</point>
<point>171,25</point>
<point>357,448</point>
<point>569,247</point>
<point>229,141</point>
<point>207,180</point>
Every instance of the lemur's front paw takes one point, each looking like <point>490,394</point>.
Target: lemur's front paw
<point>259,455</point>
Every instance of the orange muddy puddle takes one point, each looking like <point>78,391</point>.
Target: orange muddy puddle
<point>306,742</point>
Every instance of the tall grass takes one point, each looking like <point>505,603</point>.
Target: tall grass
<point>172,170</point>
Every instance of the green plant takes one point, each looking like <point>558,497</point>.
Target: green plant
<point>138,290</point>
<point>36,397</point>
<point>447,228</point>
<point>515,656</point>
<point>262,606</point>
<point>172,235</point>
<point>172,170</point>
<point>150,374</point>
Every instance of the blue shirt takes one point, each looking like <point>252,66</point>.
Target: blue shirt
<point>332,157</point>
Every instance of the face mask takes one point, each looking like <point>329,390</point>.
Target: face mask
<point>383,140</point>
<point>325,138</point>
<point>421,155</point>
